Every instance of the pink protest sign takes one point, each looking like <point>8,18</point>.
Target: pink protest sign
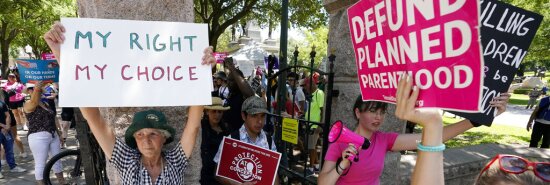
<point>436,42</point>
<point>220,56</point>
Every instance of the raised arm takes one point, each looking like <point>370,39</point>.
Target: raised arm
<point>429,165</point>
<point>408,141</point>
<point>31,105</point>
<point>245,89</point>
<point>532,118</point>
<point>103,133</point>
<point>54,38</point>
<point>191,130</point>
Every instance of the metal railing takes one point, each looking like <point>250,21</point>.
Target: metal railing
<point>290,170</point>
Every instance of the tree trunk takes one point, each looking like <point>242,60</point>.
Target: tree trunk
<point>5,59</point>
<point>151,10</point>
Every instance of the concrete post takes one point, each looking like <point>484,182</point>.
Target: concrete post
<point>345,81</point>
<point>151,10</point>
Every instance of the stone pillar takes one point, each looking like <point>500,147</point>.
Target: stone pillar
<point>345,81</point>
<point>150,10</point>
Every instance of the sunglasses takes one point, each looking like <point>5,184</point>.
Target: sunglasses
<point>516,165</point>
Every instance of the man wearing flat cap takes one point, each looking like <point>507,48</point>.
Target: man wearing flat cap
<point>253,113</point>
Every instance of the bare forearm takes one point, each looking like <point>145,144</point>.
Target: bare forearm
<point>102,132</point>
<point>328,178</point>
<point>429,165</point>
<point>455,129</point>
<point>533,115</point>
<point>191,130</point>
<point>245,89</point>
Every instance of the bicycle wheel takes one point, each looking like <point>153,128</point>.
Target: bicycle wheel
<point>71,162</point>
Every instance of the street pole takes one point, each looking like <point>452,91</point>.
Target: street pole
<point>281,99</point>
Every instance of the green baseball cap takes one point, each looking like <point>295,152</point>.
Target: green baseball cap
<point>148,119</point>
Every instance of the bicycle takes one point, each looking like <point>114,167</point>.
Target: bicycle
<point>77,168</point>
<point>71,162</point>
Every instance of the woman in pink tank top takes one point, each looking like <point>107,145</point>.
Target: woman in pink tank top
<point>370,116</point>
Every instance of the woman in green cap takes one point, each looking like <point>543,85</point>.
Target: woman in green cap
<point>139,158</point>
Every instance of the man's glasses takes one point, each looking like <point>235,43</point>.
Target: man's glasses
<point>516,165</point>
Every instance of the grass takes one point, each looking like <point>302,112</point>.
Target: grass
<point>499,134</point>
<point>519,99</point>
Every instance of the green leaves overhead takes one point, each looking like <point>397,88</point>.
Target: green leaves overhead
<point>219,15</point>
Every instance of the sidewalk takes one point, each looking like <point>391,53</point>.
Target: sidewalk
<point>27,178</point>
<point>515,115</point>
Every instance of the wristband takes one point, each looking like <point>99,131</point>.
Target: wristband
<point>423,148</point>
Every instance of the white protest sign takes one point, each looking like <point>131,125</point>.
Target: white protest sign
<point>123,63</point>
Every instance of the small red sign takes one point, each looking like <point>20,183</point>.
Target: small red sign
<point>243,162</point>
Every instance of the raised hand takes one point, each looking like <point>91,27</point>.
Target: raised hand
<point>500,102</point>
<point>208,57</point>
<point>405,105</point>
<point>55,37</point>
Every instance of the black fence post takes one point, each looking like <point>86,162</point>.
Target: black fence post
<point>328,104</point>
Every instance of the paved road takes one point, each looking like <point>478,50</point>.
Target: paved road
<point>27,178</point>
<point>515,115</point>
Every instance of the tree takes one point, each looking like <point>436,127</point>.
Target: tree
<point>308,14</point>
<point>49,11</point>
<point>219,15</point>
<point>538,52</point>
<point>223,41</point>
<point>14,18</point>
<point>318,38</point>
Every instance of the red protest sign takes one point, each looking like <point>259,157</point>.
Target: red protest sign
<point>243,162</point>
<point>436,42</point>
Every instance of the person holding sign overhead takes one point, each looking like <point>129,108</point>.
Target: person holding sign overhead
<point>138,157</point>
<point>44,137</point>
<point>337,169</point>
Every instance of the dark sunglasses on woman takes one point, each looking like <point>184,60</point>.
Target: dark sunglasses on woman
<point>516,165</point>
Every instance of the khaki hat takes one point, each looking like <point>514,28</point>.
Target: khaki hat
<point>217,104</point>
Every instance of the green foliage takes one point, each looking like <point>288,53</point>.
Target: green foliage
<point>49,12</point>
<point>308,14</point>
<point>499,134</point>
<point>518,99</point>
<point>223,41</point>
<point>538,52</point>
<point>25,21</point>
<point>522,90</point>
<point>318,38</point>
<point>220,15</point>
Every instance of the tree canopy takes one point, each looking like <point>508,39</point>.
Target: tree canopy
<point>540,47</point>
<point>25,21</point>
<point>219,15</point>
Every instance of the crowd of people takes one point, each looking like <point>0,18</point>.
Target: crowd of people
<point>239,111</point>
<point>31,108</point>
